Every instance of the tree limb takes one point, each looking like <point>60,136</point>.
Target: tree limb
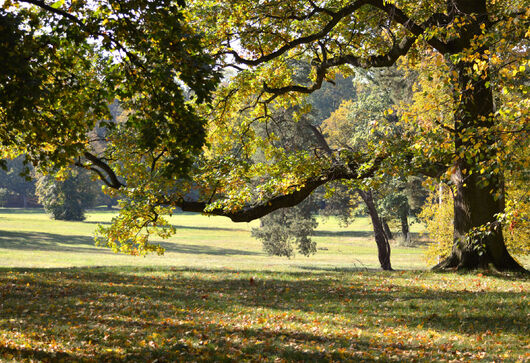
<point>298,194</point>
<point>112,180</point>
<point>395,14</point>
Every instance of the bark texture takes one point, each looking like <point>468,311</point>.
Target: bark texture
<point>405,230</point>
<point>387,230</point>
<point>383,247</point>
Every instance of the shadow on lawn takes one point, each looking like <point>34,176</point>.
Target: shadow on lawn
<point>354,234</point>
<point>22,210</point>
<point>200,228</point>
<point>101,310</point>
<point>40,241</point>
<point>415,236</point>
<point>204,250</point>
<point>205,228</point>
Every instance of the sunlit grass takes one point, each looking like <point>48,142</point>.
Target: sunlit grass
<point>31,239</point>
<point>215,296</point>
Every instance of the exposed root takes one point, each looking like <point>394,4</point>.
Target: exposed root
<point>453,263</point>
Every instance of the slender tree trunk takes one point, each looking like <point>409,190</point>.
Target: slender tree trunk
<point>24,201</point>
<point>479,189</point>
<point>383,247</point>
<point>405,230</point>
<point>387,230</point>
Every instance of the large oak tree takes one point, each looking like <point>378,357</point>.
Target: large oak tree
<point>152,50</point>
<point>476,42</point>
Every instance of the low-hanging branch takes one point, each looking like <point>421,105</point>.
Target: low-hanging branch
<point>298,194</point>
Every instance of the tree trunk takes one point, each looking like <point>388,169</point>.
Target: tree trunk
<point>405,230</point>
<point>479,187</point>
<point>387,230</point>
<point>383,247</point>
<point>475,207</point>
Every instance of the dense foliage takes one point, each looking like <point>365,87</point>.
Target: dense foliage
<point>285,230</point>
<point>463,123</point>
<point>69,198</point>
<point>64,62</point>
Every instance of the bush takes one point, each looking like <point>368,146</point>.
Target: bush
<point>438,218</point>
<point>437,214</point>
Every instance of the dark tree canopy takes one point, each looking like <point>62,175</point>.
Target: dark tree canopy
<point>62,64</point>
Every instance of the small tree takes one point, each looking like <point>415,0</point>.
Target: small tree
<point>66,199</point>
<point>283,230</point>
<point>437,214</point>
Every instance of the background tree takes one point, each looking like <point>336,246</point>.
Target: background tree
<point>347,129</point>
<point>67,198</point>
<point>17,183</point>
<point>399,198</point>
<point>285,230</point>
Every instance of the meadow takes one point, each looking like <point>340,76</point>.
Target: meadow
<point>215,296</point>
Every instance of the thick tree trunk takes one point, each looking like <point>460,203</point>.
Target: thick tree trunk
<point>479,188</point>
<point>383,247</point>
<point>387,230</point>
<point>475,207</point>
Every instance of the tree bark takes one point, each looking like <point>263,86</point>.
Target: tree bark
<point>387,230</point>
<point>383,247</point>
<point>405,230</point>
<point>476,206</point>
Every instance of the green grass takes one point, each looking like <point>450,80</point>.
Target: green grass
<point>31,239</point>
<point>216,297</point>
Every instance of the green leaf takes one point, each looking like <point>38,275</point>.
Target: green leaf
<point>58,4</point>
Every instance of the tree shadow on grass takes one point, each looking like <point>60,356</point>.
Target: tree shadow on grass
<point>357,267</point>
<point>210,228</point>
<point>204,250</point>
<point>354,234</point>
<point>186,306</point>
<point>22,211</point>
<point>41,241</point>
<point>415,236</point>
<point>180,227</point>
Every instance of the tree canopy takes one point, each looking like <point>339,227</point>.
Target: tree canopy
<point>63,62</point>
<point>467,118</point>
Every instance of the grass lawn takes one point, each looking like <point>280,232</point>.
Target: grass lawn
<point>31,239</point>
<point>215,296</point>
